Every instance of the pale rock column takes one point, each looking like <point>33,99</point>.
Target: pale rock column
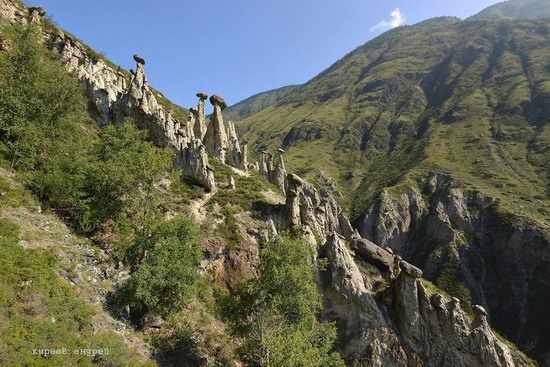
<point>215,139</point>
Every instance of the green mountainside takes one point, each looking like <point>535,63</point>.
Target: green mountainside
<point>516,9</point>
<point>257,102</point>
<point>443,95</point>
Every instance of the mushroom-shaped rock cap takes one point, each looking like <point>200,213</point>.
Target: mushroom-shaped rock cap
<point>202,95</point>
<point>281,150</point>
<point>40,9</point>
<point>193,110</point>
<point>410,269</point>
<point>479,310</point>
<point>295,179</point>
<point>218,101</point>
<point>139,59</point>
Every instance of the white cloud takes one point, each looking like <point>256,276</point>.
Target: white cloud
<point>397,19</point>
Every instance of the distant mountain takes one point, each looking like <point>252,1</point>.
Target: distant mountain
<point>516,9</point>
<point>436,137</point>
<point>257,102</point>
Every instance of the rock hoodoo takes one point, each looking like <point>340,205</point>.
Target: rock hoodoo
<point>113,98</point>
<point>215,138</point>
<point>200,119</point>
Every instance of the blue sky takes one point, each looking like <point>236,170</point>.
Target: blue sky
<point>237,48</point>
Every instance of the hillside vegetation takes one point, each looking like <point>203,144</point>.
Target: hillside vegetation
<point>466,98</point>
<point>257,102</point>
<point>515,9</point>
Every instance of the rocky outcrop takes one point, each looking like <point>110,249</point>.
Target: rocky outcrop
<point>36,13</point>
<point>193,162</point>
<point>13,11</point>
<point>407,325</point>
<point>112,98</point>
<point>305,205</point>
<point>273,169</point>
<point>498,260</point>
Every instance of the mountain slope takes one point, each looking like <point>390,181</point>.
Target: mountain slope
<point>516,9</point>
<point>442,109</point>
<point>257,102</point>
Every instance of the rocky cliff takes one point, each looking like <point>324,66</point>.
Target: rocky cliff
<point>465,244</point>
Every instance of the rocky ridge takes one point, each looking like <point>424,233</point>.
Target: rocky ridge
<point>441,228</point>
<point>403,326</point>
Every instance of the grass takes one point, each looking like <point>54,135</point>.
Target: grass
<point>39,310</point>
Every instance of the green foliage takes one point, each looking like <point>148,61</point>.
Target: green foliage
<point>39,310</point>
<point>276,312</point>
<point>124,170</point>
<point>248,192</point>
<point>451,281</point>
<point>165,258</point>
<point>229,228</point>
<point>40,103</point>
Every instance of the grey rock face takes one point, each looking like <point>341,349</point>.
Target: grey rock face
<point>278,176</point>
<point>468,230</point>
<point>193,161</point>
<point>305,205</point>
<point>235,156</point>
<point>215,139</point>
<point>423,330</point>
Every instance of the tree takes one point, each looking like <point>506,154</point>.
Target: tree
<point>166,269</point>
<point>276,312</point>
<point>122,178</point>
<point>41,105</point>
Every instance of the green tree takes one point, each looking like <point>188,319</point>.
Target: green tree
<point>41,105</point>
<point>166,268</point>
<point>121,180</point>
<point>276,312</point>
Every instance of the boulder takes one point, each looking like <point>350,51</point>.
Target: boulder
<point>139,59</point>
<point>373,254</point>
<point>410,269</point>
<point>218,101</point>
<point>202,96</point>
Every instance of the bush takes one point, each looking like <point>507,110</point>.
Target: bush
<point>276,312</point>
<point>165,259</point>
